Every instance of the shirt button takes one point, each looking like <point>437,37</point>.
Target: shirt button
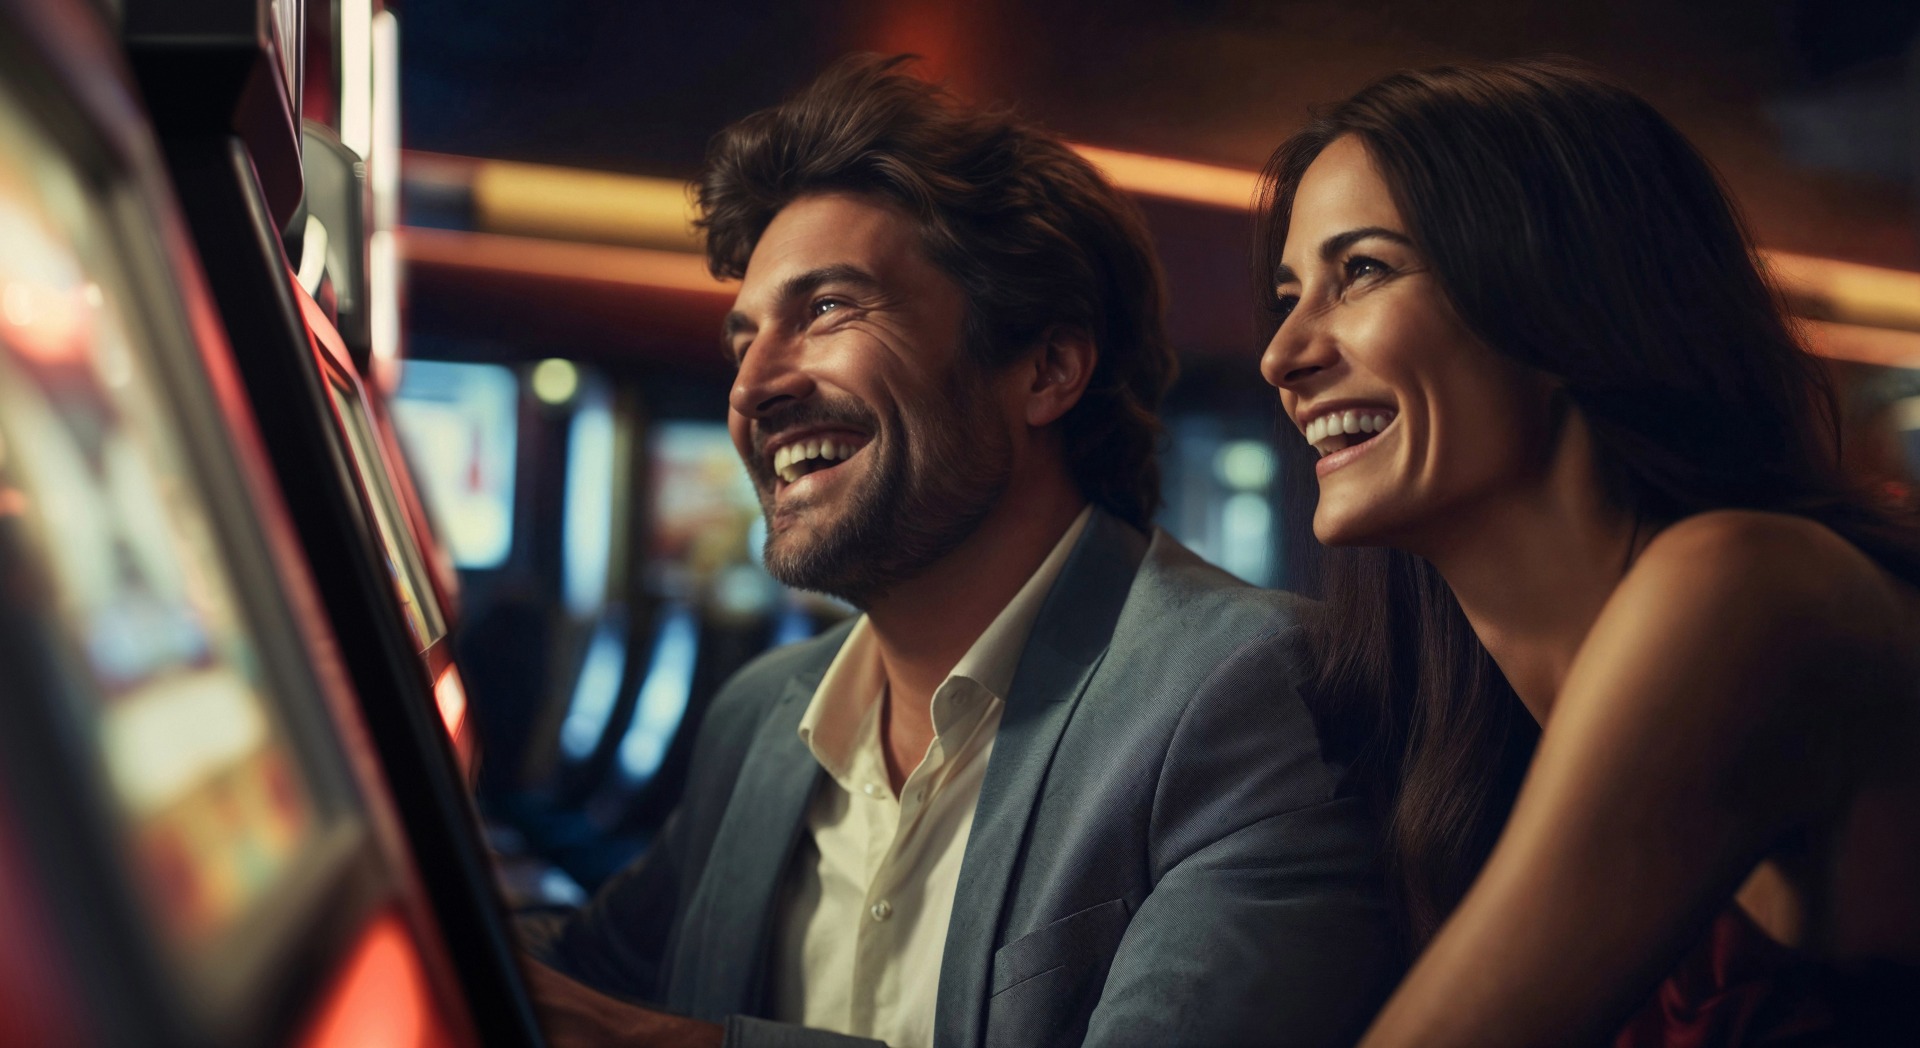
<point>871,789</point>
<point>882,910</point>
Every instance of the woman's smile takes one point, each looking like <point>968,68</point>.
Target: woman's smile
<point>1337,451</point>
<point>1370,351</point>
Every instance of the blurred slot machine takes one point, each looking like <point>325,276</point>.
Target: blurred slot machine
<point>1875,377</point>
<point>340,243</point>
<point>1880,427</point>
<point>715,608</point>
<point>197,847</point>
<point>1220,479</point>
<point>555,609</point>
<point>457,425</point>
<point>660,583</point>
<point>389,503</point>
<point>224,82</point>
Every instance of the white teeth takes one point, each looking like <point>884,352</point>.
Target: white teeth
<point>1342,422</point>
<point>787,460</point>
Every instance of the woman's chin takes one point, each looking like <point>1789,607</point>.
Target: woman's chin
<point>1343,529</point>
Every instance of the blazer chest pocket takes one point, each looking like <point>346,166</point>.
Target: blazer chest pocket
<point>1046,982</point>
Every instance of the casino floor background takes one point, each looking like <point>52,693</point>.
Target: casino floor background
<point>370,539</point>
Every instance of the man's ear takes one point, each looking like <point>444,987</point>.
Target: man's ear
<point>1059,369</point>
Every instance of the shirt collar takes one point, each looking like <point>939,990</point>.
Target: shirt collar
<point>848,693</point>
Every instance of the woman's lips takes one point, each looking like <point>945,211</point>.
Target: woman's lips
<point>1336,459</point>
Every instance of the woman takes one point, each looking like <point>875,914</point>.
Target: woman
<point>1580,474</point>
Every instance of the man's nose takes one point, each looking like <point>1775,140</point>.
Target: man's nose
<point>1300,350</point>
<point>771,374</point>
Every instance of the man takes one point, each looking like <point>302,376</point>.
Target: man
<point>1054,786</point>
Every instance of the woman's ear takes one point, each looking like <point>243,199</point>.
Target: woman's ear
<point>1060,367</point>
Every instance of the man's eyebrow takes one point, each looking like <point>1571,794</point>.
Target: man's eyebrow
<point>1331,247</point>
<point>798,286</point>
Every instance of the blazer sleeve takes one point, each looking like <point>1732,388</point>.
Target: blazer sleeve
<point>1266,923</point>
<point>618,942</point>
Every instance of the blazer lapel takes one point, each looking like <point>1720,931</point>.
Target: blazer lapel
<point>750,853</point>
<point>1068,639</point>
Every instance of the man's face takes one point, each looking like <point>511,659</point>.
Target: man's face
<point>874,442</point>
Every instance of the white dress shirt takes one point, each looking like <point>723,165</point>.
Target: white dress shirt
<point>863,923</point>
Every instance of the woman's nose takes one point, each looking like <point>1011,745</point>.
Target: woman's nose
<point>1297,352</point>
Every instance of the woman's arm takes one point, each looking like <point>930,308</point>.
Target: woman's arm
<point>1716,704</point>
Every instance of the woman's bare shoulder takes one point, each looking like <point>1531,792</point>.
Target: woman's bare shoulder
<point>1765,609</point>
<point>1780,562</point>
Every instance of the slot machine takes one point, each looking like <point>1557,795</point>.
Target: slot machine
<point>223,81</point>
<point>339,243</point>
<point>197,841</point>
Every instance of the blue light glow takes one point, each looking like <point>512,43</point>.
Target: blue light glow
<point>588,549</point>
<point>664,694</point>
<point>793,626</point>
<point>595,690</point>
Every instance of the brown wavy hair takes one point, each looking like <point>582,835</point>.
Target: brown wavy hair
<point>1572,229</point>
<point>1031,232</point>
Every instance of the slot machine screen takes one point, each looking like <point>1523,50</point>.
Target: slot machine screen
<point>405,563</point>
<point>707,526</point>
<point>458,422</point>
<point>107,530</point>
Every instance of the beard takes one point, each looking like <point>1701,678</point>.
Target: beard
<point>928,483</point>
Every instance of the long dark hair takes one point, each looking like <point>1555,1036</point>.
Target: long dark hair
<point>1576,231</point>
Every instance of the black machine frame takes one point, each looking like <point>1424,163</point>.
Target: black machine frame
<point>236,221</point>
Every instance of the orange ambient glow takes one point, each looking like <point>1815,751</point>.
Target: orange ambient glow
<point>451,696</point>
<point>381,997</point>
<point>47,324</point>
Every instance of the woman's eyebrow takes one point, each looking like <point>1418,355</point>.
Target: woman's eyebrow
<point>1331,247</point>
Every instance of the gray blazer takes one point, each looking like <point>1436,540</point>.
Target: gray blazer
<point>1158,858</point>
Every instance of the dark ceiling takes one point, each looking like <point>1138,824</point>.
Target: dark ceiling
<point>1810,109</point>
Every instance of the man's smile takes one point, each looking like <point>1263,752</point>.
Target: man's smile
<point>794,457</point>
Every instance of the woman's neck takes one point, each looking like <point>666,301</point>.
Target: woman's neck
<point>1532,568</point>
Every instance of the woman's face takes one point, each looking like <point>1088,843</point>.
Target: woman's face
<point>1418,424</point>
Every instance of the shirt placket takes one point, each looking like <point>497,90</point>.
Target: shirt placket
<point>892,850</point>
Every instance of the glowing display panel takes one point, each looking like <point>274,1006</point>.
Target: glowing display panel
<point>587,554</point>
<point>107,530</point>
<point>405,563</point>
<point>706,517</point>
<point>458,424</point>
